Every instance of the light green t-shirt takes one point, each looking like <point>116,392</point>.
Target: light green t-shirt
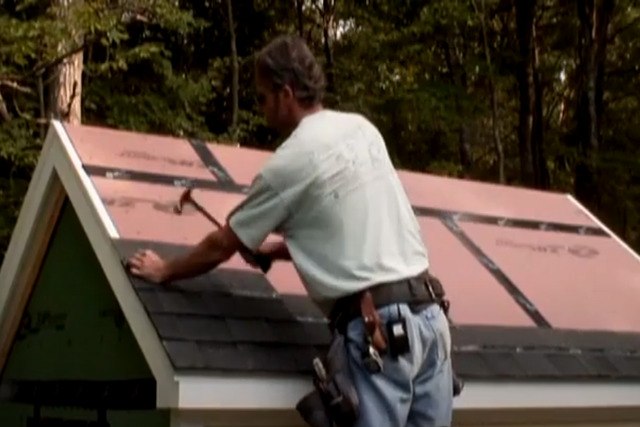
<point>332,192</point>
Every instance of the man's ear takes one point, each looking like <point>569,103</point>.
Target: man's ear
<point>287,93</point>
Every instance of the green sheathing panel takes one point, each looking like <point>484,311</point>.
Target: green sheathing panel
<point>73,329</point>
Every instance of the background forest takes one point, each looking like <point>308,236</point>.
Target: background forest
<point>540,94</point>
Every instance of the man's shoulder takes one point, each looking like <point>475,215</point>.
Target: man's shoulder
<point>324,130</point>
<point>329,121</point>
<point>298,156</point>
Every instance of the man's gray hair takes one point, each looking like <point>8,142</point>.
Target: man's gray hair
<point>287,60</point>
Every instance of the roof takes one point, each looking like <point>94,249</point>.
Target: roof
<point>532,276</point>
<point>233,320</point>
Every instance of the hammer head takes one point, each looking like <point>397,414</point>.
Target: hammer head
<point>185,197</point>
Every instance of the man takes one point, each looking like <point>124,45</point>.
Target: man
<point>331,190</point>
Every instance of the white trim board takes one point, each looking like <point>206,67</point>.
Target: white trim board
<point>70,162</point>
<point>59,160</point>
<point>100,231</point>
<point>23,236</point>
<point>282,393</point>
<point>27,247</point>
<point>595,219</point>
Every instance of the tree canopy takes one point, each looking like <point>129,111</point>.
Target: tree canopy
<point>538,93</point>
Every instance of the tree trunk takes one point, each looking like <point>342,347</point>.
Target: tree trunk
<point>328,6</point>
<point>594,16</point>
<point>541,175</point>
<point>525,13</point>
<point>299,4</point>
<point>4,111</point>
<point>65,99</point>
<point>68,89</point>
<point>464,149</point>
<point>497,143</point>
<point>458,77</point>
<point>235,77</point>
<point>43,107</point>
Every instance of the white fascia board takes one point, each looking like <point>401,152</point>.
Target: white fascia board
<point>595,219</point>
<point>226,392</point>
<point>89,190</point>
<point>239,392</point>
<point>548,394</point>
<point>100,231</point>
<point>24,235</point>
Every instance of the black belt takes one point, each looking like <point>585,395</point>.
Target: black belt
<point>420,290</point>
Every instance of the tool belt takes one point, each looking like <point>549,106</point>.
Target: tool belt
<point>417,292</point>
<point>334,400</point>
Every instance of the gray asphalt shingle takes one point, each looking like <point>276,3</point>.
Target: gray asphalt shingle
<point>234,320</point>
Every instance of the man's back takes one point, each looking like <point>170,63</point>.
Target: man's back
<point>350,223</point>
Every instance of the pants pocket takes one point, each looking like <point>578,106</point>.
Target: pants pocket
<point>438,325</point>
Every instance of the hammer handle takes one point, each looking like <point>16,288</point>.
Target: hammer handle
<point>263,261</point>
<point>206,214</point>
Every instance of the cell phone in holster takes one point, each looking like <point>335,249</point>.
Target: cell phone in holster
<point>398,338</point>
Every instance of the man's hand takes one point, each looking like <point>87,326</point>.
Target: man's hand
<point>267,249</point>
<point>214,249</point>
<point>148,265</point>
<point>275,250</point>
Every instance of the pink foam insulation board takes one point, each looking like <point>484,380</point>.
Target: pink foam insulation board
<point>142,211</point>
<point>145,211</point>
<point>138,152</point>
<point>577,282</point>
<point>476,297</point>
<point>490,199</point>
<point>493,274</point>
<point>242,168</point>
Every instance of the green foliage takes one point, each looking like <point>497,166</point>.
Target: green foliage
<point>164,102</point>
<point>19,151</point>
<point>417,69</point>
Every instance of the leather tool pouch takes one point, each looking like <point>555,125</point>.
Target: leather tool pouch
<point>375,341</point>
<point>334,401</point>
<point>372,322</point>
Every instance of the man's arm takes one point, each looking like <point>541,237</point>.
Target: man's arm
<point>216,248</point>
<point>261,212</point>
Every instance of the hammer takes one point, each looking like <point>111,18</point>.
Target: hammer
<point>264,262</point>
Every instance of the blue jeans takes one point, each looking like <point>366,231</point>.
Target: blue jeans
<point>414,390</point>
